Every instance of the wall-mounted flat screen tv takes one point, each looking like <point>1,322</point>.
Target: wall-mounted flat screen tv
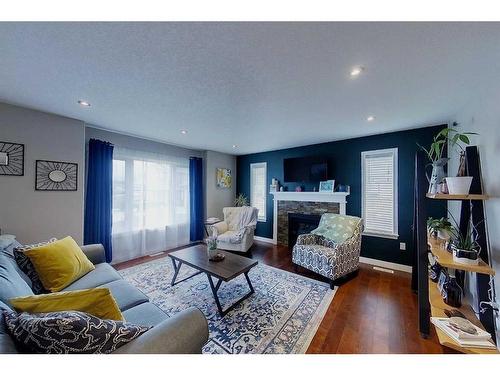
<point>306,169</point>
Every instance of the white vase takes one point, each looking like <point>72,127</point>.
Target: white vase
<point>463,260</point>
<point>443,235</point>
<point>459,185</point>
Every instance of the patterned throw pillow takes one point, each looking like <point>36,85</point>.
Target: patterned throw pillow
<point>68,332</point>
<point>24,263</point>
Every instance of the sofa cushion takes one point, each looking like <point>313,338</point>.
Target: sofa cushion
<point>24,263</point>
<point>337,228</point>
<point>69,332</point>
<point>11,283</point>
<point>98,302</point>
<point>9,253</point>
<point>102,274</point>
<point>59,263</point>
<point>125,295</point>
<point>7,346</point>
<point>145,314</point>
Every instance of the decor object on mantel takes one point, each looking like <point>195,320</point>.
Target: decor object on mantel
<point>223,178</point>
<point>327,186</point>
<point>275,185</point>
<point>56,176</point>
<point>11,159</point>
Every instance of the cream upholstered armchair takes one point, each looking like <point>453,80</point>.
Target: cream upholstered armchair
<point>332,249</point>
<point>235,233</point>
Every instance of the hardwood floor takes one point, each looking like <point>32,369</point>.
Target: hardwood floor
<point>374,312</point>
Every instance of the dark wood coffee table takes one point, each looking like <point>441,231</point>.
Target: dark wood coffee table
<point>232,266</point>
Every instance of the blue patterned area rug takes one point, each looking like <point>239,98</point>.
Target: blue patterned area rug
<point>282,315</point>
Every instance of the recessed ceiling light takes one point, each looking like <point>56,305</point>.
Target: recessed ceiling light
<point>84,103</point>
<point>356,71</point>
<point>234,146</point>
<point>370,118</point>
<point>184,131</point>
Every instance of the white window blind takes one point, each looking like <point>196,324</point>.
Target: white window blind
<point>379,171</point>
<point>258,188</point>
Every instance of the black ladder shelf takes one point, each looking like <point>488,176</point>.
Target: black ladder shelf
<point>430,302</point>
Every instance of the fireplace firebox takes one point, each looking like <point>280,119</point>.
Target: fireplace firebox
<point>300,224</point>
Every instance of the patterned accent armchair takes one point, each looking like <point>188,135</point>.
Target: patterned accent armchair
<point>332,249</point>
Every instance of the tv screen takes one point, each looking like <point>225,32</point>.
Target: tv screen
<point>309,169</point>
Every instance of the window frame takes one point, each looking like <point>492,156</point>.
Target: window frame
<point>395,164</point>
<point>259,165</point>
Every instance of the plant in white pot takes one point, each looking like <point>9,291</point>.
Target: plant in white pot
<point>460,184</point>
<point>435,154</point>
<point>440,228</point>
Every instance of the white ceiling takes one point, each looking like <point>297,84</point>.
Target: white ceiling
<point>261,86</point>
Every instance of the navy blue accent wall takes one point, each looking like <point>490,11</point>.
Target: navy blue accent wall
<point>344,163</point>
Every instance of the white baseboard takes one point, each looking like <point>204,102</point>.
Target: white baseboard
<point>383,263</point>
<point>264,239</point>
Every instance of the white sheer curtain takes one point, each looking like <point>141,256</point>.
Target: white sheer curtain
<point>150,203</point>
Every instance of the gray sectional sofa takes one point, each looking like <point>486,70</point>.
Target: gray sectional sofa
<point>185,332</point>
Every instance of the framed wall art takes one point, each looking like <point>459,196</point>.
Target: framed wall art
<point>56,176</point>
<point>223,178</point>
<point>11,159</point>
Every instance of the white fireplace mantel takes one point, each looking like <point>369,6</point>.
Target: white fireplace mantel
<point>305,196</point>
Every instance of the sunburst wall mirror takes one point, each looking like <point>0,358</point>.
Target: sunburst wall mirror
<point>11,159</point>
<point>56,176</point>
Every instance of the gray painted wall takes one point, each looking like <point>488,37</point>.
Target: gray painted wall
<point>35,216</point>
<point>482,115</point>
<point>218,198</point>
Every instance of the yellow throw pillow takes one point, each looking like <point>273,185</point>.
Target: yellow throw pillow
<point>98,302</point>
<point>59,263</point>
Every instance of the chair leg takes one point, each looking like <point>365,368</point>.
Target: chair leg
<point>332,284</point>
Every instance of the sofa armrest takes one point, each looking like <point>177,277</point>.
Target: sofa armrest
<point>184,333</point>
<point>95,253</point>
<point>219,228</point>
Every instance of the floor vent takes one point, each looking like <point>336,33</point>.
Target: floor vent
<point>383,269</point>
<point>156,254</point>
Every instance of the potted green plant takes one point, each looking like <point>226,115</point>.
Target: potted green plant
<point>464,246</point>
<point>460,184</point>
<point>441,228</point>
<point>241,201</point>
<point>438,161</point>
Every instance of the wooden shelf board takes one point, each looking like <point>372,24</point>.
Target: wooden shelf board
<point>447,341</point>
<point>456,197</point>
<point>445,259</point>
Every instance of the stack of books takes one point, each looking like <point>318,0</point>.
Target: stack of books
<point>480,339</point>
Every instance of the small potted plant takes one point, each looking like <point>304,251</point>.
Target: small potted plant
<point>440,228</point>
<point>211,247</point>
<point>241,201</point>
<point>464,246</point>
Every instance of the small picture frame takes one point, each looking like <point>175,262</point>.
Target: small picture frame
<point>327,186</point>
<point>443,276</point>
